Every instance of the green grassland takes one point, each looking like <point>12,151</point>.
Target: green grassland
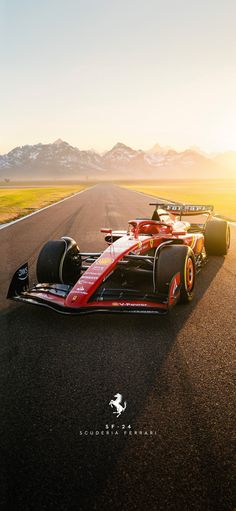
<point>17,201</point>
<point>220,193</point>
<point>20,199</point>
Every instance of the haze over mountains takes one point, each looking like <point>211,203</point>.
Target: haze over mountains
<point>61,161</point>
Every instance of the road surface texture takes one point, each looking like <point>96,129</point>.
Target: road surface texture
<point>58,374</point>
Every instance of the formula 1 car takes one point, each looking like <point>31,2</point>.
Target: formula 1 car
<point>148,268</point>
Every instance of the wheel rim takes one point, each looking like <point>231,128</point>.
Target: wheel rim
<point>189,274</point>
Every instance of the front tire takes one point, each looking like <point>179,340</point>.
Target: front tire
<point>217,237</point>
<point>176,259</point>
<point>59,261</point>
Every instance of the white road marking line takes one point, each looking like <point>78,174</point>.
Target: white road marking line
<point>43,209</point>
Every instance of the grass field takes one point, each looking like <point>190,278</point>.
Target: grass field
<point>16,202</point>
<point>220,193</point>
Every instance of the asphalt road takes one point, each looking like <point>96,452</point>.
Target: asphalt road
<point>59,373</point>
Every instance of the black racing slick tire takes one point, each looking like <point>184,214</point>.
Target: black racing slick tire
<point>176,259</point>
<point>217,237</point>
<point>59,261</point>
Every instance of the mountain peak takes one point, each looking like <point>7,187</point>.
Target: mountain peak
<point>155,149</point>
<point>59,141</point>
<point>158,149</point>
<point>120,145</point>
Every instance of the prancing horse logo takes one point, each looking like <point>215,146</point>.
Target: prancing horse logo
<point>117,404</point>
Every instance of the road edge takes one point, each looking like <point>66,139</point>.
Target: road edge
<point>8,224</point>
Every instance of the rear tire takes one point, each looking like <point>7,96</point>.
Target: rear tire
<point>59,262</point>
<point>217,237</point>
<point>176,259</point>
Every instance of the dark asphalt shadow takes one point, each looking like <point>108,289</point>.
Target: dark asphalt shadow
<point>58,376</point>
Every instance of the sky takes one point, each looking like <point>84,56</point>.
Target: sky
<point>98,72</point>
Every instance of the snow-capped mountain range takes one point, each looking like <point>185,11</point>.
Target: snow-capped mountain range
<point>60,160</point>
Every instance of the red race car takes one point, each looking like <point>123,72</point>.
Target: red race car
<point>148,268</point>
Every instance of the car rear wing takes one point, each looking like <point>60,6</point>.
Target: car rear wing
<point>183,209</point>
